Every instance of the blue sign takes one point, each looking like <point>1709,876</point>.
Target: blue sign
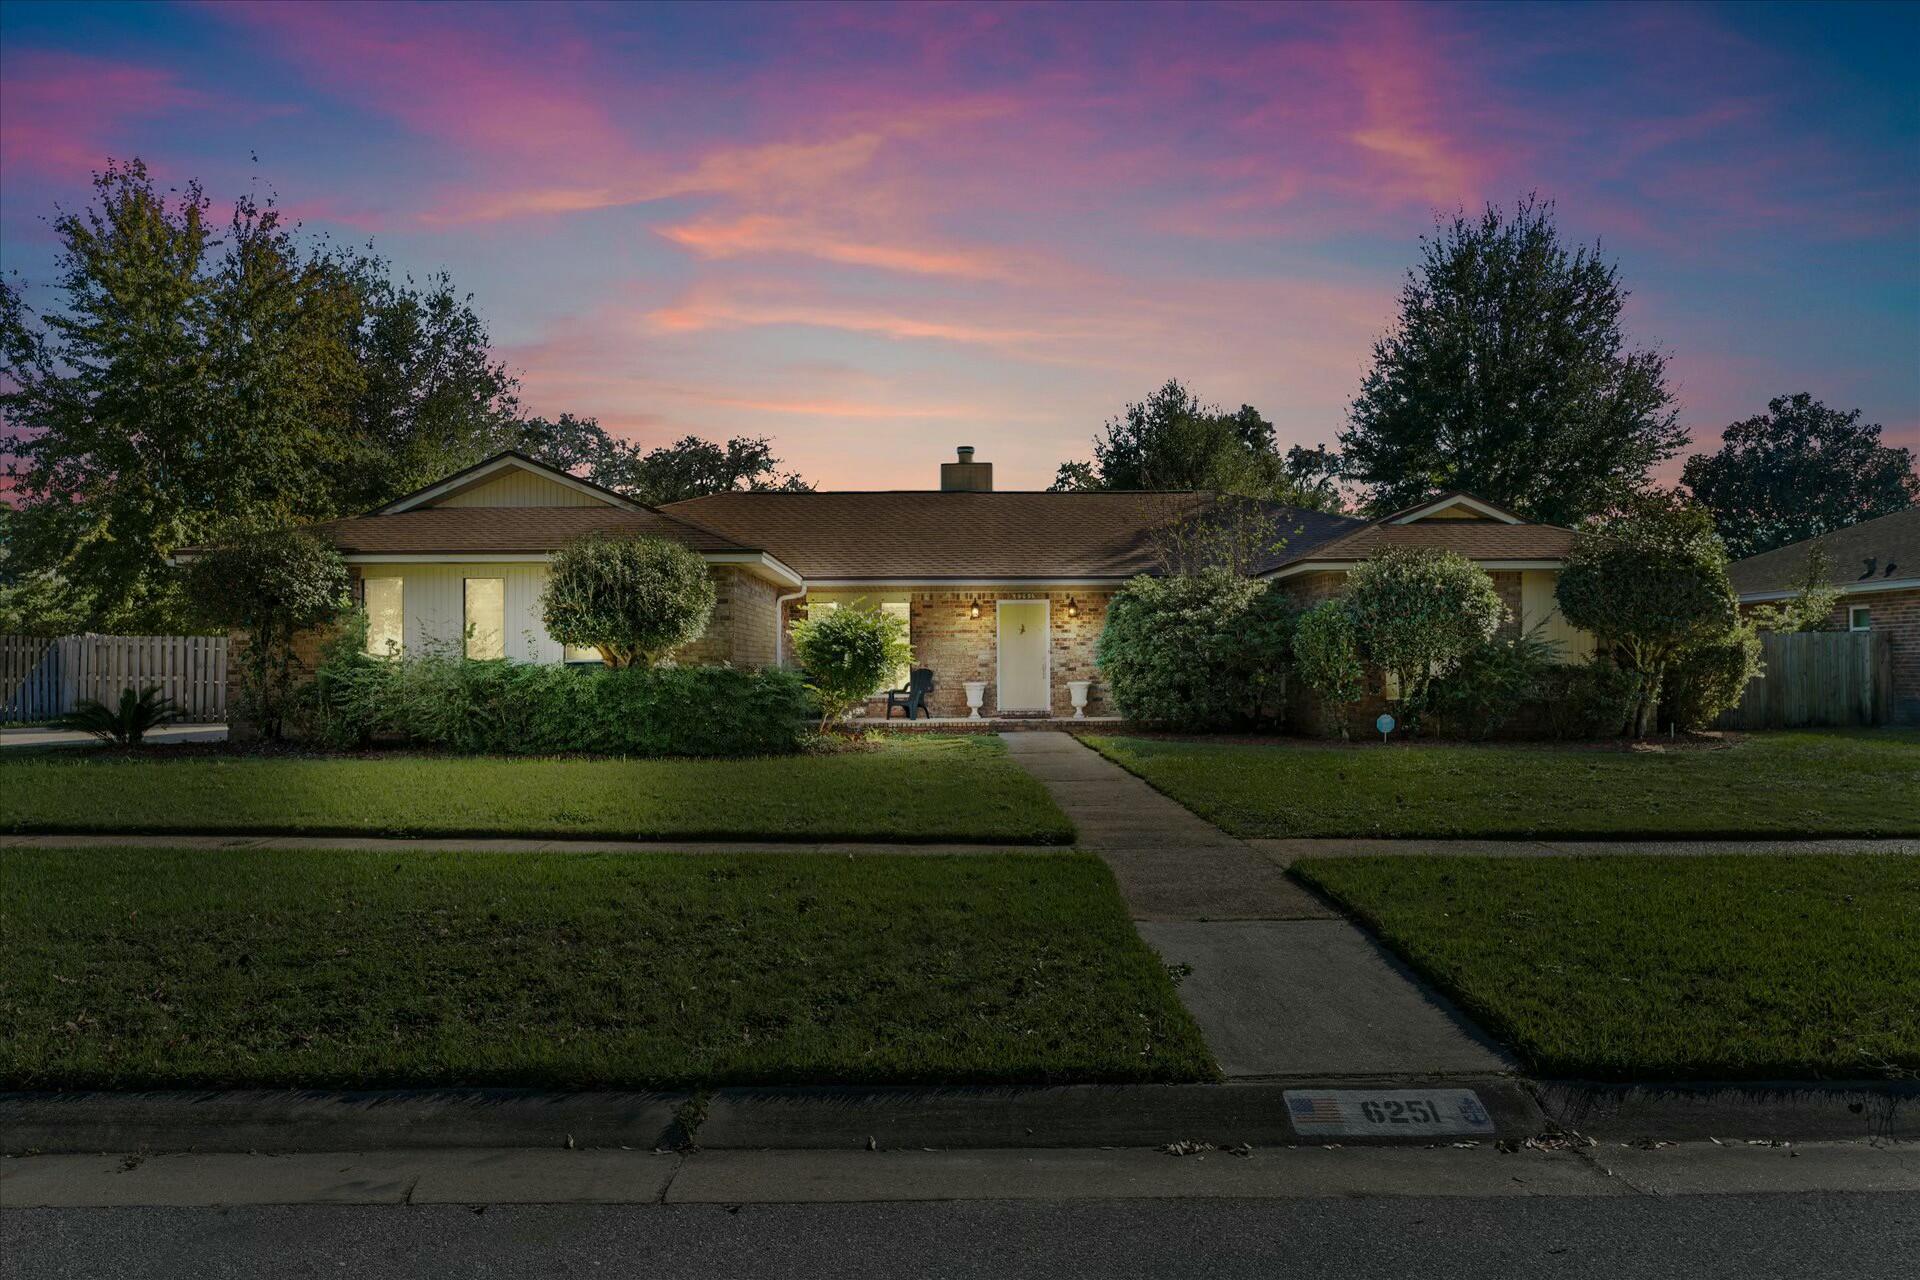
<point>1384,724</point>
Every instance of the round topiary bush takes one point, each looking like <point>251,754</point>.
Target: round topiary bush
<point>636,600</point>
<point>847,654</point>
<point>1326,656</point>
<point>1417,612</point>
<point>1172,652</point>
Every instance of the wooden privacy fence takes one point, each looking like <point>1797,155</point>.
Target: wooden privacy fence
<point>41,677</point>
<point>1815,678</point>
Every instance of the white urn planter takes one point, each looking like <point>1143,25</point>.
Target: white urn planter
<point>1077,690</point>
<point>976,694</point>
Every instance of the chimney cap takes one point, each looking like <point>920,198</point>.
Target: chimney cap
<point>965,452</point>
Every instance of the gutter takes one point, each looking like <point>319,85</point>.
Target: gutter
<point>1845,589</point>
<point>779,631</point>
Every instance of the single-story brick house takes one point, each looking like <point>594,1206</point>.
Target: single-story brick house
<point>1876,566</point>
<point>1005,588</point>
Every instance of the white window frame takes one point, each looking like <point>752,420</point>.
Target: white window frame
<point>400,610</point>
<point>466,618</point>
<point>1854,614</point>
<point>1046,650</point>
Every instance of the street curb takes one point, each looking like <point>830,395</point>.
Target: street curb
<point>290,1121</point>
<point>1759,1109</point>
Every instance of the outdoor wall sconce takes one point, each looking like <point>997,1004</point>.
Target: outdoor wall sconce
<point>973,610</point>
<point>1073,608</point>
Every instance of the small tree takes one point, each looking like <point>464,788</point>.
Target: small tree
<point>634,599</point>
<point>1168,648</point>
<point>1417,612</point>
<point>1648,580</point>
<point>1326,654</point>
<point>268,585</point>
<point>847,654</point>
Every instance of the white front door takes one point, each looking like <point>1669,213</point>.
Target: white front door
<point>1023,656</point>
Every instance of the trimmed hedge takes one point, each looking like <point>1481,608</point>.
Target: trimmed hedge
<point>516,708</point>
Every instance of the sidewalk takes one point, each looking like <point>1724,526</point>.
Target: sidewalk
<point>1280,983</point>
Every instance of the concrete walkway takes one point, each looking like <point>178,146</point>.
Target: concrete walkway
<point>1280,983</point>
<point>165,735</point>
<point>1284,853</point>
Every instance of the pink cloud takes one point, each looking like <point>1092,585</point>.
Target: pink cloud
<point>62,114</point>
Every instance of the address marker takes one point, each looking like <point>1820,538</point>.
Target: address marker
<point>1386,1113</point>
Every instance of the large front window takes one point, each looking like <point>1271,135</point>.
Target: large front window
<point>382,598</point>
<point>486,618</point>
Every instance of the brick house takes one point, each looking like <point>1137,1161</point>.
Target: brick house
<point>1876,566</point>
<point>1006,590</point>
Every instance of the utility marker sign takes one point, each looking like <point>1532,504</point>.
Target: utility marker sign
<point>1386,1113</point>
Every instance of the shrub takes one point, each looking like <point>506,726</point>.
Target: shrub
<point>847,654</point>
<point>1416,612</point>
<point>634,599</point>
<point>1590,699</point>
<point>1648,580</point>
<point>1708,677</point>
<point>127,721</point>
<point>1490,684</point>
<point>1260,653</point>
<point>1175,650</point>
<point>268,585</point>
<point>524,708</point>
<point>1326,654</point>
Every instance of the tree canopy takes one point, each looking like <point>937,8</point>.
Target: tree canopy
<point>1507,375</point>
<point>1172,440</point>
<point>1797,471</point>
<point>636,600</point>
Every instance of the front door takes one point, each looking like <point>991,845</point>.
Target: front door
<point>1023,656</point>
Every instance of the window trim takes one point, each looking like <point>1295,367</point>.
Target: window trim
<point>1853,613</point>
<point>466,619</point>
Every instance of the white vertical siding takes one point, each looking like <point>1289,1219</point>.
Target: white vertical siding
<point>1537,604</point>
<point>433,600</point>
<point>519,488</point>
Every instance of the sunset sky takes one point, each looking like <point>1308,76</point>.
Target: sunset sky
<point>872,232</point>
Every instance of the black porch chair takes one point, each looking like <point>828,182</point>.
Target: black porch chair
<point>914,696</point>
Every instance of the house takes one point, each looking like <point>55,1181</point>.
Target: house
<point>1876,567</point>
<point>1005,588</point>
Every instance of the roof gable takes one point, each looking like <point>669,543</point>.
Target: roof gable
<point>1453,506</point>
<point>509,479</point>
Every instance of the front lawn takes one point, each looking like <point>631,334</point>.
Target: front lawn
<point>1807,783</point>
<point>1639,967</point>
<point>142,968</point>
<point>910,788</point>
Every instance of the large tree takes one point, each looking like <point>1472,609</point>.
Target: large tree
<point>1797,471</point>
<point>1172,440</point>
<point>1508,375</point>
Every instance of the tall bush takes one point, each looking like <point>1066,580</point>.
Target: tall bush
<point>1182,650</point>
<point>1709,676</point>
<point>1417,612</point>
<point>1326,656</point>
<point>847,654</point>
<point>268,585</point>
<point>1649,580</point>
<point>634,599</point>
<point>1490,683</point>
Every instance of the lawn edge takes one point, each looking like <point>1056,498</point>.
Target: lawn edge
<point>136,831</point>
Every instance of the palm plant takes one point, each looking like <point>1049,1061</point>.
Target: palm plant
<point>126,723</point>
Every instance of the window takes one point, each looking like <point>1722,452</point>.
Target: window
<point>1859,618</point>
<point>902,610</point>
<point>486,619</point>
<point>381,596</point>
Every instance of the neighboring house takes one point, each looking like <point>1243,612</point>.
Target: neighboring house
<point>1008,588</point>
<point>1876,566</point>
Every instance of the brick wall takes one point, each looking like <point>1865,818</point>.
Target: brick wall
<point>958,647</point>
<point>740,632</point>
<point>1896,615</point>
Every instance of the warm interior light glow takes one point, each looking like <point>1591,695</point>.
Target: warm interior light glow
<point>1073,607</point>
<point>973,611</point>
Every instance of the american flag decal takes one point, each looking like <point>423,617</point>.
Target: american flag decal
<point>1315,1108</point>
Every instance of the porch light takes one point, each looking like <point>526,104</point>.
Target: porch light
<point>1073,608</point>
<point>973,610</point>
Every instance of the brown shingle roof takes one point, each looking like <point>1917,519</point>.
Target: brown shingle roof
<point>933,535</point>
<point>505,530</point>
<point>1890,542</point>
<point>1475,539</point>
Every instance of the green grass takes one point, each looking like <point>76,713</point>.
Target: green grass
<point>1639,967</point>
<point>151,968</point>
<point>911,789</point>
<point>1810,783</point>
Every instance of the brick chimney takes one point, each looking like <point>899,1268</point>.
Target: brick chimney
<point>966,475</point>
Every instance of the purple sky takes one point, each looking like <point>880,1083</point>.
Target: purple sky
<point>873,233</point>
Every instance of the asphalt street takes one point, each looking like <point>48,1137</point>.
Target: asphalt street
<point>1860,1236</point>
